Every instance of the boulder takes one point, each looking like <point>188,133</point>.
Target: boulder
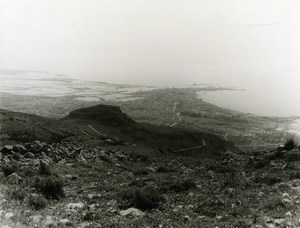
<point>19,148</point>
<point>16,156</point>
<point>7,149</point>
<point>74,206</point>
<point>132,211</point>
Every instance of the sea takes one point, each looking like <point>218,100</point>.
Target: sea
<point>262,102</point>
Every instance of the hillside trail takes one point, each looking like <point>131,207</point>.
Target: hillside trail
<point>178,115</point>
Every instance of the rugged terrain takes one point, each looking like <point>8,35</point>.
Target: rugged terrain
<point>99,168</point>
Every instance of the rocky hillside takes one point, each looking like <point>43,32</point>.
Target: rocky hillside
<point>76,185</point>
<point>99,174</point>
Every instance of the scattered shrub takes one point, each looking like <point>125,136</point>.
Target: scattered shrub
<point>37,201</point>
<point>51,187</point>
<point>137,183</point>
<point>260,164</point>
<point>18,194</point>
<point>146,198</point>
<point>141,172</point>
<point>268,180</point>
<point>290,144</point>
<point>292,157</point>
<point>210,207</point>
<point>275,203</point>
<point>180,186</point>
<point>27,172</point>
<point>162,169</point>
<point>140,158</point>
<point>221,168</point>
<point>9,169</point>
<point>294,175</point>
<point>44,168</point>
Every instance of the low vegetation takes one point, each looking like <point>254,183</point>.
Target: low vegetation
<point>145,198</point>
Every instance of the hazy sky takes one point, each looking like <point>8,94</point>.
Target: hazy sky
<point>236,42</point>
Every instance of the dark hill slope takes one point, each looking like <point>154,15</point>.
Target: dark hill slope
<point>99,123</point>
<point>23,127</point>
<point>107,115</point>
<point>110,120</point>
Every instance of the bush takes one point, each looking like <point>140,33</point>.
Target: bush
<point>293,157</point>
<point>162,169</point>
<point>210,207</point>
<point>290,144</point>
<point>179,186</point>
<point>268,180</point>
<point>18,194</point>
<point>9,169</point>
<point>141,172</point>
<point>51,187</point>
<point>146,198</point>
<point>37,201</point>
<point>273,204</point>
<point>27,172</point>
<point>294,175</point>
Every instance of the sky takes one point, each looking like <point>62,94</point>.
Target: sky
<point>243,43</point>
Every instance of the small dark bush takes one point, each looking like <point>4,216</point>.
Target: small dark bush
<point>140,158</point>
<point>290,144</point>
<point>242,224</point>
<point>179,186</point>
<point>279,154</point>
<point>18,194</point>
<point>27,172</point>
<point>9,169</point>
<point>141,172</point>
<point>137,183</point>
<point>221,168</point>
<point>51,187</point>
<point>275,203</point>
<point>44,168</point>
<point>210,207</point>
<point>146,198</point>
<point>292,157</point>
<point>268,180</point>
<point>37,201</point>
<point>162,169</point>
<point>294,175</point>
<point>260,164</point>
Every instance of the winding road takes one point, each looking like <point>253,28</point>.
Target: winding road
<point>225,137</point>
<point>178,114</point>
<point>192,148</point>
<point>96,131</point>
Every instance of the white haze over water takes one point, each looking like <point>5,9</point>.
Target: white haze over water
<point>257,101</point>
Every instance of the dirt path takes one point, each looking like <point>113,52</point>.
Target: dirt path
<point>192,148</point>
<point>175,106</point>
<point>178,114</point>
<point>96,131</point>
<point>225,137</point>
